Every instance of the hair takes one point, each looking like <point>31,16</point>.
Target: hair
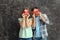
<point>24,9</point>
<point>34,8</point>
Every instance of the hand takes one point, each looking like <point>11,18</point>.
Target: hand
<point>33,16</point>
<point>40,13</point>
<point>28,16</point>
<point>23,15</point>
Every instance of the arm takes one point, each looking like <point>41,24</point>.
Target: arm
<point>29,23</point>
<point>33,21</point>
<point>22,23</point>
<point>44,18</point>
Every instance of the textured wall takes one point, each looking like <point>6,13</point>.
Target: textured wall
<point>10,10</point>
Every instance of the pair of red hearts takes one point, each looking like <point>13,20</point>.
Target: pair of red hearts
<point>27,12</point>
<point>35,11</point>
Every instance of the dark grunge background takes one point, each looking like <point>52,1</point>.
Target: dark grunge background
<point>10,10</point>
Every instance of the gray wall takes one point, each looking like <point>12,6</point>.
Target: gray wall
<point>10,10</point>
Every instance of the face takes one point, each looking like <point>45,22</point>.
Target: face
<point>26,12</point>
<point>36,11</point>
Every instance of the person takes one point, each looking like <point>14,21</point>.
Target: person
<point>39,24</point>
<point>25,32</point>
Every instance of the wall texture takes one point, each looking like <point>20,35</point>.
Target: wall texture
<point>10,10</point>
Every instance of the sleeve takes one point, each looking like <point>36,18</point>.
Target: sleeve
<point>30,19</point>
<point>19,19</point>
<point>47,20</point>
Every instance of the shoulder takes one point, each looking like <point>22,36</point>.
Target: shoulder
<point>19,19</point>
<point>30,19</point>
<point>45,15</point>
